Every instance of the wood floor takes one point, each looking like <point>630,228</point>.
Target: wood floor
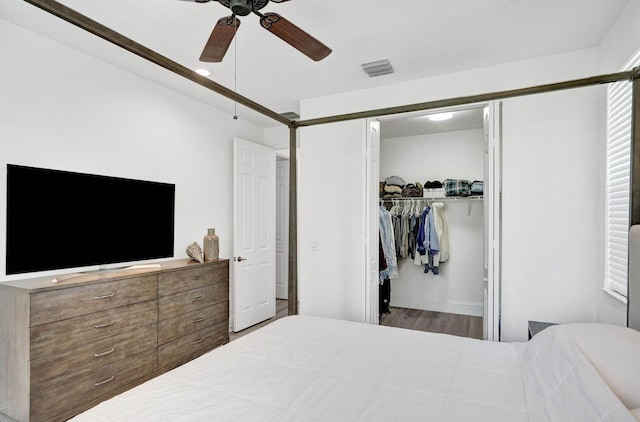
<point>281,311</point>
<point>435,322</point>
<point>413,319</point>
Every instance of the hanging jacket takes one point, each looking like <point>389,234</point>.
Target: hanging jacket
<point>442,232</point>
<point>388,245</point>
<point>420,239</point>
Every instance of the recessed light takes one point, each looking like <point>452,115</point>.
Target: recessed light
<point>440,117</point>
<point>203,72</point>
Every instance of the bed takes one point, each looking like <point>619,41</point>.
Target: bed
<point>301,368</point>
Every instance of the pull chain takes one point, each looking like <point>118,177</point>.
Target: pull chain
<point>235,68</point>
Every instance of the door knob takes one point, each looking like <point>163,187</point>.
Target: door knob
<point>240,259</point>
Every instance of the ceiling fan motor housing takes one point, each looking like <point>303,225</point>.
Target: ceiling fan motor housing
<point>244,7</point>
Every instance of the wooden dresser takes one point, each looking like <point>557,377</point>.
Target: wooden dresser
<point>67,346</point>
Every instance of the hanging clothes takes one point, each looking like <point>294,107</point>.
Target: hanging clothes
<point>427,240</point>
<point>442,232</point>
<point>387,239</point>
<point>404,233</point>
<point>427,243</point>
<point>384,293</point>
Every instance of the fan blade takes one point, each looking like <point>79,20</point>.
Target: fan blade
<point>279,1</point>
<point>294,36</point>
<point>220,39</point>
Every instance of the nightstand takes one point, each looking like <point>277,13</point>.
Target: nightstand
<point>536,326</point>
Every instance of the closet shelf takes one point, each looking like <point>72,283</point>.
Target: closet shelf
<point>437,198</point>
<point>469,199</point>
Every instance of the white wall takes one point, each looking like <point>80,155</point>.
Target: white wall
<point>331,198</point>
<point>522,74</point>
<point>65,110</point>
<point>550,209</point>
<point>532,72</point>
<point>457,155</point>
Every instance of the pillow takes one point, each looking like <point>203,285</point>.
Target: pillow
<point>614,352</point>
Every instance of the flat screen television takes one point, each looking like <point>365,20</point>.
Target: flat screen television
<point>60,219</point>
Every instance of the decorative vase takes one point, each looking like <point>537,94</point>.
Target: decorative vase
<point>211,246</point>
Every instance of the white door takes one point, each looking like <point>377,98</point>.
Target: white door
<point>371,231</point>
<point>282,228</point>
<point>254,234</point>
<point>492,225</point>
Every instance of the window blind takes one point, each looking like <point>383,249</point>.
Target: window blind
<point>618,179</point>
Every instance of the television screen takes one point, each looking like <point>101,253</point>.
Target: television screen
<point>60,219</point>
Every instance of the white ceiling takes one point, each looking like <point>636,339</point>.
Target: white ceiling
<point>419,124</point>
<point>421,38</point>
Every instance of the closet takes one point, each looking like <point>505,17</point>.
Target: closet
<point>423,151</point>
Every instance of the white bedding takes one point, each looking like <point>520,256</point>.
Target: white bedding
<point>315,369</point>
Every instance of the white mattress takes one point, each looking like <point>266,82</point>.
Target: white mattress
<point>315,369</point>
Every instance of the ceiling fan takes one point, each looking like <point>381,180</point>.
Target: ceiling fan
<point>225,29</point>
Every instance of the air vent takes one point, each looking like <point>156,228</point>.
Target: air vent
<point>378,68</point>
<point>291,115</point>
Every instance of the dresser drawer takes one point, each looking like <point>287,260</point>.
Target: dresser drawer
<point>58,337</point>
<point>187,347</point>
<point>55,369</point>
<point>173,328</point>
<point>62,399</point>
<point>181,303</point>
<point>61,304</point>
<point>192,278</point>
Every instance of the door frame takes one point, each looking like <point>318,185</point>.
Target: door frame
<point>492,196</point>
<point>284,214</point>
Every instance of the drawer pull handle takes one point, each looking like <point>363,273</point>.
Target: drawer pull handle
<point>200,319</point>
<point>200,340</point>
<point>198,277</point>
<point>99,383</point>
<point>195,299</point>
<point>104,325</point>
<point>108,352</point>
<point>105,296</point>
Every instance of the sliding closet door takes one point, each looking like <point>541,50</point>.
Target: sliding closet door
<point>492,197</point>
<point>372,219</point>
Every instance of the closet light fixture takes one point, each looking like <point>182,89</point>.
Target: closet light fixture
<point>203,72</point>
<point>440,117</point>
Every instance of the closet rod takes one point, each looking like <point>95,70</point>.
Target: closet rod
<point>436,198</point>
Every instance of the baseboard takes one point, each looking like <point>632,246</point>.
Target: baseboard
<point>451,306</point>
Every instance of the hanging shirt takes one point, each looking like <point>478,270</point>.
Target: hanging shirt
<point>431,238</point>
<point>388,245</point>
<point>427,239</point>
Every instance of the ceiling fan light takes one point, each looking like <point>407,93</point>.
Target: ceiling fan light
<point>203,72</point>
